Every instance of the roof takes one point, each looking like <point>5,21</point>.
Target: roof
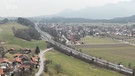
<point>11,49</point>
<point>18,59</point>
<point>33,62</point>
<point>1,71</point>
<point>34,58</point>
<point>4,60</point>
<point>25,66</point>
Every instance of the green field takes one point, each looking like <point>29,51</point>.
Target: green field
<point>7,39</point>
<point>125,55</point>
<point>74,67</point>
<point>115,53</point>
<point>70,65</point>
<point>96,39</point>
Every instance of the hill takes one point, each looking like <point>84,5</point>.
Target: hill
<point>86,20</point>
<point>123,19</point>
<point>8,40</point>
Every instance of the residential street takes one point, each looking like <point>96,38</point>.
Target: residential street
<point>41,64</point>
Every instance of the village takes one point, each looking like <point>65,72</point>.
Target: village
<point>72,33</point>
<point>22,63</point>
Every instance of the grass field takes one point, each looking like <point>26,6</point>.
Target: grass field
<point>8,40</point>
<point>75,67</point>
<point>91,40</point>
<point>116,53</point>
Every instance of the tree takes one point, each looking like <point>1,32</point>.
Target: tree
<point>23,34</point>
<point>45,68</point>
<point>3,54</point>
<point>129,65</point>
<point>27,34</point>
<point>133,71</point>
<point>4,21</point>
<point>48,45</point>
<point>25,22</point>
<point>1,49</point>
<point>47,62</point>
<point>37,51</point>
<point>58,68</point>
<point>45,65</point>
<point>14,29</point>
<point>34,34</point>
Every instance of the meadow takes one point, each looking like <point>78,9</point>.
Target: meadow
<point>7,39</point>
<point>116,53</point>
<point>98,40</point>
<point>70,65</point>
<point>74,67</point>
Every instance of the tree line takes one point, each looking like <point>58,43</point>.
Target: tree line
<point>25,22</point>
<point>27,34</point>
<point>4,21</point>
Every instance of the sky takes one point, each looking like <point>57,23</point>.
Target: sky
<point>29,8</point>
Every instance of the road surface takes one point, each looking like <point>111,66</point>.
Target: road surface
<point>41,65</point>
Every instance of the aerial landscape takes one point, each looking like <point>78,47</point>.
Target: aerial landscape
<point>67,38</point>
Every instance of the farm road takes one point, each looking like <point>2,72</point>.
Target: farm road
<point>41,65</point>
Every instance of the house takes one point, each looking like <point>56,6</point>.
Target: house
<point>1,72</point>
<point>35,59</point>
<point>4,60</point>
<point>27,51</point>
<point>17,60</point>
<point>4,64</point>
<point>25,67</point>
<point>10,50</point>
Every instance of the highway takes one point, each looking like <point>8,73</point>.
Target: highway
<point>98,61</point>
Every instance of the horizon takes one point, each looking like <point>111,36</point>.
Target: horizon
<point>35,8</point>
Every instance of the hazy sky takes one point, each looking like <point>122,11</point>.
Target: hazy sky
<point>27,8</point>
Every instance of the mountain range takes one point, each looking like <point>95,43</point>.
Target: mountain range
<point>121,12</point>
<point>130,19</point>
<point>108,11</point>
